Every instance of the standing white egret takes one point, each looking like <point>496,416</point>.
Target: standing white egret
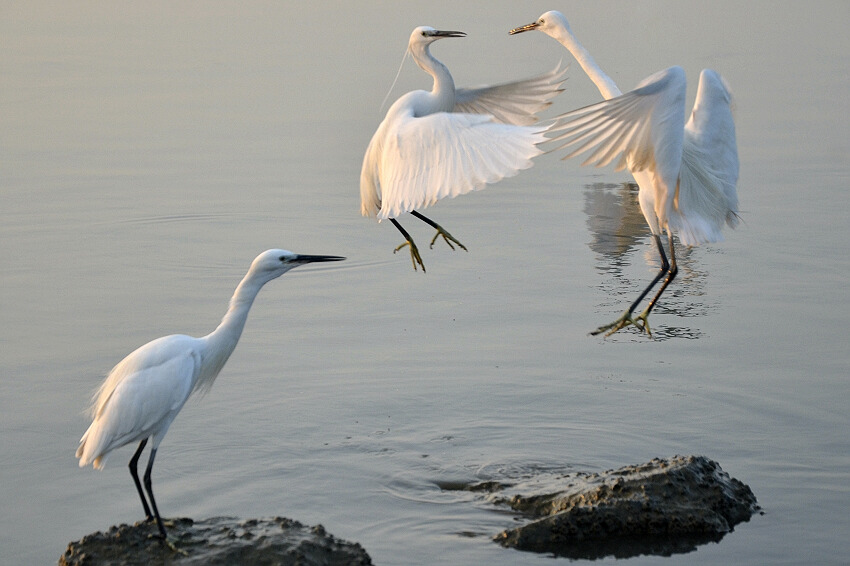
<point>143,393</point>
<point>447,142</point>
<point>686,173</point>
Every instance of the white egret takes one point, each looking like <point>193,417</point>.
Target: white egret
<point>447,142</point>
<point>142,395</point>
<point>686,173</point>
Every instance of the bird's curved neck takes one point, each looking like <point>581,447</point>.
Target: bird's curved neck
<point>222,341</point>
<point>603,82</point>
<point>443,91</point>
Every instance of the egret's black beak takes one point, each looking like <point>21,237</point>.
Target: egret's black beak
<point>316,258</point>
<point>526,27</point>
<point>441,33</point>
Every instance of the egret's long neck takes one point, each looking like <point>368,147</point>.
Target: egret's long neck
<point>443,92</point>
<point>603,82</point>
<point>222,341</point>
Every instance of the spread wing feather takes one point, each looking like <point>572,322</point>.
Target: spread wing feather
<point>692,169</point>
<point>644,126</point>
<point>515,102</point>
<point>447,154</point>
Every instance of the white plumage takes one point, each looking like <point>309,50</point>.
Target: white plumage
<point>693,167</point>
<point>686,173</point>
<point>142,395</point>
<point>416,169</point>
<point>145,391</point>
<point>447,142</point>
<point>516,102</point>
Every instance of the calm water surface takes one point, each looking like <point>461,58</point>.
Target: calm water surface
<point>147,154</point>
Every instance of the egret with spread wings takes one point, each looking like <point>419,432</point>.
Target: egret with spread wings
<point>686,172</point>
<point>447,142</point>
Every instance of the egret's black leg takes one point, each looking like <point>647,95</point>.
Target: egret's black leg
<point>440,231</point>
<point>626,319</point>
<point>134,462</point>
<point>671,274</point>
<point>414,251</point>
<point>665,268</point>
<point>150,494</point>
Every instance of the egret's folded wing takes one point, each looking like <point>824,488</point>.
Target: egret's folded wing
<point>137,405</point>
<point>144,399</point>
<point>513,103</point>
<point>644,126</point>
<point>710,158</point>
<point>448,154</point>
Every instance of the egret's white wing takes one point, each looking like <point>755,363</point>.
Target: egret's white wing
<point>513,103</point>
<point>448,154</point>
<point>645,126</point>
<point>370,194</point>
<point>708,196</point>
<point>145,358</point>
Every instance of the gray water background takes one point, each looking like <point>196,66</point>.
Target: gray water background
<point>148,151</point>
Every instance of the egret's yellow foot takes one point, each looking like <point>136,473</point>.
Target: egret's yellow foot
<point>414,254</point>
<point>644,316</point>
<point>174,549</point>
<point>448,238</point>
<point>622,322</point>
<point>168,543</point>
<point>171,546</point>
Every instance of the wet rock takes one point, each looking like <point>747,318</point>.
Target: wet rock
<point>216,541</point>
<point>663,507</point>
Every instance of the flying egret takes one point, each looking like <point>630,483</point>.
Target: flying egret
<point>686,173</point>
<point>447,142</point>
<point>143,393</point>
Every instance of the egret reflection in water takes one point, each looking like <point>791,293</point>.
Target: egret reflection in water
<point>614,219</point>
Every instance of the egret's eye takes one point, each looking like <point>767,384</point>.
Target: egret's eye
<point>424,34</point>
<point>282,258</point>
<point>542,21</point>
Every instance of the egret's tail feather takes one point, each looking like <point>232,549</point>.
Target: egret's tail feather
<point>705,200</point>
<point>89,452</point>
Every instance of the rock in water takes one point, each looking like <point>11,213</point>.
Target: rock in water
<point>216,541</point>
<point>662,507</point>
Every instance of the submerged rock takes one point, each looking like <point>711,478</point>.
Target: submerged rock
<point>663,507</point>
<point>216,541</point>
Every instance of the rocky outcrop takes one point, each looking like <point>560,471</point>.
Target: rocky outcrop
<point>662,507</point>
<point>216,541</point>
